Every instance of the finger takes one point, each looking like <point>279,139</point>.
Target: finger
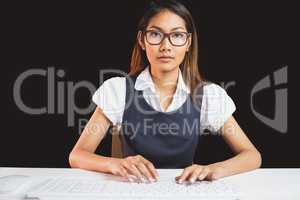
<point>177,178</point>
<point>194,174</point>
<point>204,173</point>
<point>121,171</point>
<point>185,174</point>
<point>124,173</point>
<point>133,170</point>
<point>135,161</point>
<point>153,171</point>
<point>145,171</point>
<point>137,172</point>
<point>151,168</point>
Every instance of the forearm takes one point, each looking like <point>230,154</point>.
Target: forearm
<point>244,161</point>
<point>89,161</point>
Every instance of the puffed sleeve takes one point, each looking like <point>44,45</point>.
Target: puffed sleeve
<point>110,97</point>
<point>217,107</point>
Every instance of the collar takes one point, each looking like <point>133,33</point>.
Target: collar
<point>144,81</point>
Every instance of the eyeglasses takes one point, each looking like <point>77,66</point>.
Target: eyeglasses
<point>155,37</point>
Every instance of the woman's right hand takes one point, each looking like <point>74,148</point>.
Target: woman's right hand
<point>133,168</point>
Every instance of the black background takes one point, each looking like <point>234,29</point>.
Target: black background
<point>239,42</point>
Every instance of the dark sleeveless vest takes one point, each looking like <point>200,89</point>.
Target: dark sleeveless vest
<point>167,139</point>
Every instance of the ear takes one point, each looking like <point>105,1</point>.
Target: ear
<point>140,40</point>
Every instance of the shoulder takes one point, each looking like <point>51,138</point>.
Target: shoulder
<point>114,82</point>
<point>217,106</point>
<point>112,87</point>
<point>213,89</point>
<point>110,97</point>
<point>216,96</point>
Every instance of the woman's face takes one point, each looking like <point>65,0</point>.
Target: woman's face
<point>165,56</point>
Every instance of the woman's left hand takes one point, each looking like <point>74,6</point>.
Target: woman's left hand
<point>201,172</point>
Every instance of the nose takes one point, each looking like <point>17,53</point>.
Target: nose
<point>165,45</point>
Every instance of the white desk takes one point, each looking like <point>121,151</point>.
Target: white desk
<point>259,184</point>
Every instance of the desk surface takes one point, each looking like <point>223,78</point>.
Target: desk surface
<point>257,184</point>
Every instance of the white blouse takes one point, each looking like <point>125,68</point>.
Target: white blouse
<point>216,107</point>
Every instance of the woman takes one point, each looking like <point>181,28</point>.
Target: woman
<point>157,105</point>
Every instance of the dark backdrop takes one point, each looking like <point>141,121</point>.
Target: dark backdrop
<point>245,43</point>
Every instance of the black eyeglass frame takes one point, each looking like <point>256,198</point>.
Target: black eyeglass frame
<point>168,36</point>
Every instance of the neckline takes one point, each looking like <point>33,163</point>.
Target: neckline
<point>140,93</point>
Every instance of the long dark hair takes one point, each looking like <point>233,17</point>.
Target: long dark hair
<point>191,74</point>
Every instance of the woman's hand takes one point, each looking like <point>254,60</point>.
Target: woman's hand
<point>134,168</point>
<point>201,172</point>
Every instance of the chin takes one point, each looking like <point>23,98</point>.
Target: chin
<point>166,67</point>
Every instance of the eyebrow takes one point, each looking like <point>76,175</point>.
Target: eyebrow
<point>173,29</point>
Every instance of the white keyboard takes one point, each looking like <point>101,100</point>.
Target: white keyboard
<point>116,189</point>
<point>60,186</point>
<point>12,183</point>
<point>171,189</point>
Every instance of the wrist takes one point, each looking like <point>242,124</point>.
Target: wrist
<point>219,169</point>
<point>109,164</point>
